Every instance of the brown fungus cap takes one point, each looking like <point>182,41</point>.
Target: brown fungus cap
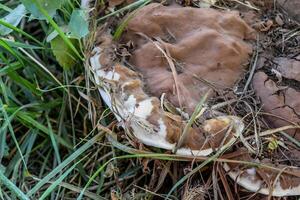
<point>283,102</point>
<point>289,68</point>
<point>208,48</point>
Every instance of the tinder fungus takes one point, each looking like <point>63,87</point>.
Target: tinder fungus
<point>180,52</point>
<point>264,180</point>
<point>123,91</point>
<point>282,98</point>
<point>183,52</point>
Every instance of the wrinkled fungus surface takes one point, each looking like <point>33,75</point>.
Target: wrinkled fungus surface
<point>207,47</point>
<point>289,68</point>
<point>280,101</point>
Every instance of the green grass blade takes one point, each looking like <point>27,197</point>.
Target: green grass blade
<point>4,23</point>
<point>28,120</point>
<point>12,187</point>
<point>101,168</point>
<point>4,7</point>
<point>4,44</point>
<point>23,45</point>
<point>53,141</point>
<point>10,67</point>
<point>66,162</point>
<point>58,181</point>
<point>191,121</point>
<point>14,163</point>
<point>24,83</point>
<point>11,130</point>
<point>31,140</point>
<point>56,27</point>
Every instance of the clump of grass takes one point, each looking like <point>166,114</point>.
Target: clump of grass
<point>46,135</point>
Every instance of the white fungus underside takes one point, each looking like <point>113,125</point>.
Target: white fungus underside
<point>250,182</point>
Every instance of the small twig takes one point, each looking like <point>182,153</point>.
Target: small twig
<point>222,104</point>
<point>253,67</point>
<point>257,138</point>
<point>276,130</point>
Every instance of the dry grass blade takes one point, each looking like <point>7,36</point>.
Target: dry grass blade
<point>225,183</point>
<point>272,186</point>
<point>112,138</point>
<point>246,4</point>
<point>253,68</point>
<point>191,121</point>
<point>172,66</point>
<point>204,163</point>
<point>277,130</point>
